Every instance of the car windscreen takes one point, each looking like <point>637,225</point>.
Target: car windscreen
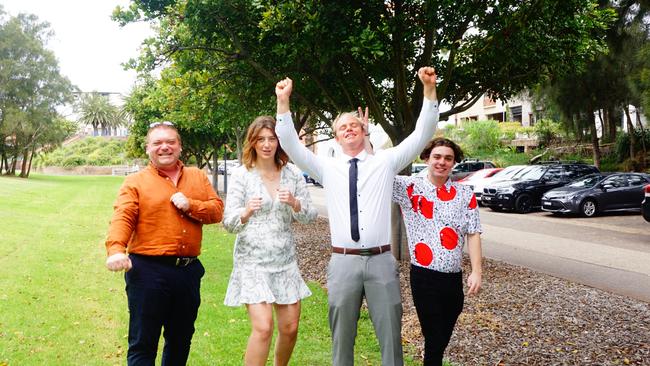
<point>586,182</point>
<point>533,172</point>
<point>507,172</point>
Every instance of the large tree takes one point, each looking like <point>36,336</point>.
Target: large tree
<point>31,88</point>
<point>609,84</point>
<point>347,53</point>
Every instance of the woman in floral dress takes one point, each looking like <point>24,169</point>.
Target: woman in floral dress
<point>439,215</point>
<point>264,195</point>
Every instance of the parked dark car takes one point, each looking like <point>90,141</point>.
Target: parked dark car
<point>523,192</point>
<point>597,193</point>
<point>645,205</point>
<point>468,166</point>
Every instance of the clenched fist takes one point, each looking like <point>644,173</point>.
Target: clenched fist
<point>118,262</point>
<point>180,201</point>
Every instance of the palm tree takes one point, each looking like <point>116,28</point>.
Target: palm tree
<point>96,110</point>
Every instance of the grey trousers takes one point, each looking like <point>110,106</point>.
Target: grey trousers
<point>349,278</point>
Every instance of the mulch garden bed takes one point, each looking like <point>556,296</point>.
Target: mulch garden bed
<point>521,317</point>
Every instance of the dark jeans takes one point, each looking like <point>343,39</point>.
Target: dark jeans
<point>438,299</point>
<point>161,296</point>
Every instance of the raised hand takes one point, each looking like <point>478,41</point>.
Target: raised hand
<point>428,78</point>
<point>283,89</point>
<point>283,92</point>
<point>427,75</point>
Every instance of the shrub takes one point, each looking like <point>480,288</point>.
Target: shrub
<point>547,131</point>
<point>89,151</point>
<point>483,135</point>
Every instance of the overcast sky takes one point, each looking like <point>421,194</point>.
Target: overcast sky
<point>90,46</point>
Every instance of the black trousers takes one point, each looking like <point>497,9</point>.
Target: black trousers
<point>438,299</point>
<point>161,296</point>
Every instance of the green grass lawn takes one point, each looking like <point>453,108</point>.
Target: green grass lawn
<point>60,306</point>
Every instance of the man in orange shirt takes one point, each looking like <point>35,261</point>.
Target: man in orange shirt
<point>158,219</point>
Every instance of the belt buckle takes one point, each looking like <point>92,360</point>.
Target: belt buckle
<point>365,251</point>
<point>183,261</point>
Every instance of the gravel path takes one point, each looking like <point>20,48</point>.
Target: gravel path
<point>520,317</point>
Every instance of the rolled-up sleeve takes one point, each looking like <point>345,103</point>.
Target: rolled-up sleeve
<point>209,211</point>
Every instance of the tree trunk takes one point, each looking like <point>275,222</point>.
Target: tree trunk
<point>577,128</point>
<point>643,136</point>
<point>594,136</point>
<point>215,169</point>
<point>613,123</point>
<point>630,131</point>
<point>23,165</point>
<point>31,158</point>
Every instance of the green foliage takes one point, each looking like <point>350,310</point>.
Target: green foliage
<point>31,88</point>
<point>95,151</point>
<point>486,137</point>
<point>622,144</point>
<point>547,131</point>
<point>367,53</point>
<point>482,135</point>
<point>95,109</point>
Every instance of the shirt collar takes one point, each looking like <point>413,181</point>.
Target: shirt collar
<point>179,164</point>
<point>363,155</point>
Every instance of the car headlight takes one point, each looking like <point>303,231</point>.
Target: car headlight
<point>505,190</point>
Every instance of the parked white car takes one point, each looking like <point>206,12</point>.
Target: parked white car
<point>479,182</point>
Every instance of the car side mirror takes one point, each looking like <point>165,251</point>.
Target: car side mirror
<point>606,186</point>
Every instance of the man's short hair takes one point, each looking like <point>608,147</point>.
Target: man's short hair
<point>441,141</point>
<point>162,124</point>
<point>345,115</point>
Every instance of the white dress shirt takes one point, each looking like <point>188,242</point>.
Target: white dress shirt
<point>375,179</point>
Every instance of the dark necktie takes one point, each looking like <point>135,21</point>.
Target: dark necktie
<point>354,208</point>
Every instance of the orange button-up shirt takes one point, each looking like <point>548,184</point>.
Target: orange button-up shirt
<point>146,222</point>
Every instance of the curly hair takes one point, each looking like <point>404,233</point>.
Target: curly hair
<point>249,154</point>
<point>441,141</point>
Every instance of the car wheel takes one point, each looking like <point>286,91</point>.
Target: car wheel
<point>588,208</point>
<point>524,204</point>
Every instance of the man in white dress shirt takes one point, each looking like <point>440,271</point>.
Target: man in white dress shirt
<point>359,213</point>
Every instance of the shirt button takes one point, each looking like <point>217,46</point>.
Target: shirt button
<point>184,231</point>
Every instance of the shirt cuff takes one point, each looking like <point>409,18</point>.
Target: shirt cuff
<point>284,118</point>
<point>428,104</point>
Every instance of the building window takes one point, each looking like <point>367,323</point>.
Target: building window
<point>496,117</point>
<point>515,112</point>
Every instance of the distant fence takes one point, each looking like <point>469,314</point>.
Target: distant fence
<point>87,170</point>
<point>125,170</point>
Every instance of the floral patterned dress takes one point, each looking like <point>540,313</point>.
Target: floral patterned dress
<point>264,260</point>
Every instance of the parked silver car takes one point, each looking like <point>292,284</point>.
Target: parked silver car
<point>598,193</point>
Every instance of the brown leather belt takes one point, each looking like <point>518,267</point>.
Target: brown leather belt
<point>364,251</point>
